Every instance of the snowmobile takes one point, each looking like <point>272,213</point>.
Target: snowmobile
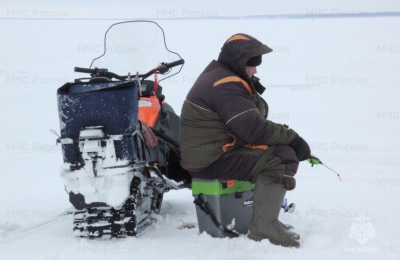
<point>119,137</point>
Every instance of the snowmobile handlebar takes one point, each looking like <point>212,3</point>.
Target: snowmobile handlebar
<point>175,63</point>
<point>164,67</point>
<point>84,70</point>
<point>99,72</point>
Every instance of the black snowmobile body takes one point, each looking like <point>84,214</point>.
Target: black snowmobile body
<point>120,149</point>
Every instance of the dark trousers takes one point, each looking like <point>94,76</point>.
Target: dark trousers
<point>243,163</point>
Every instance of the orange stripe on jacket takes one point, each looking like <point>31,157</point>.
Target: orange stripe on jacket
<point>257,146</point>
<point>225,147</point>
<point>234,79</point>
<point>252,146</point>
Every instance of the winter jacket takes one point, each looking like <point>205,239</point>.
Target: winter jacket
<point>223,109</point>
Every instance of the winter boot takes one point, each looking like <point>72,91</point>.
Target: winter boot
<point>268,197</point>
<point>286,226</point>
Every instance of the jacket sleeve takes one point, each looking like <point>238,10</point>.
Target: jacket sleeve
<point>238,111</point>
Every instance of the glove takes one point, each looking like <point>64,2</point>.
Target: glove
<point>301,148</point>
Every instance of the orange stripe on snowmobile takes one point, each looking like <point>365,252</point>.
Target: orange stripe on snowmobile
<point>149,109</point>
<point>234,79</point>
<point>237,37</point>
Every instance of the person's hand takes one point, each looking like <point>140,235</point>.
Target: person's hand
<point>301,147</point>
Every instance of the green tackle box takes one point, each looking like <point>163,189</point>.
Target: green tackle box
<point>224,208</point>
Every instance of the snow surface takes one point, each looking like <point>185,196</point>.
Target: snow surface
<point>335,81</point>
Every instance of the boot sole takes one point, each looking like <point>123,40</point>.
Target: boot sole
<point>259,238</point>
<point>296,245</point>
<point>255,237</point>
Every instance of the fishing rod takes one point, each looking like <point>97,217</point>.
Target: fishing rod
<point>315,161</point>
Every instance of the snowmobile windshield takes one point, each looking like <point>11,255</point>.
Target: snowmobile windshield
<point>135,46</point>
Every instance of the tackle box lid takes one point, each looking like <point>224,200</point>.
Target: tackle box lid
<point>219,187</point>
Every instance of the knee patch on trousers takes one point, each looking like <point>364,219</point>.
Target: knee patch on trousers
<point>286,182</point>
<point>288,157</point>
<point>289,182</point>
